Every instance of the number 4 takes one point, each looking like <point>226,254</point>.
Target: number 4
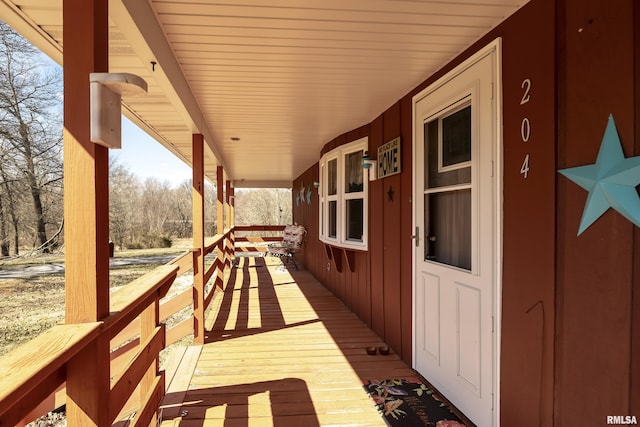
<point>525,167</point>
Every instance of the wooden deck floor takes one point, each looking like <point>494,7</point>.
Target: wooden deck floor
<point>281,351</point>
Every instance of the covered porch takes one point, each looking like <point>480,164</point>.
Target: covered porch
<point>282,350</point>
<point>306,95</point>
<point>306,73</point>
<point>272,346</point>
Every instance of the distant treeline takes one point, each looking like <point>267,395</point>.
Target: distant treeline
<point>147,213</point>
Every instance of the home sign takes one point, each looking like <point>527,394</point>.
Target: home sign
<point>389,158</point>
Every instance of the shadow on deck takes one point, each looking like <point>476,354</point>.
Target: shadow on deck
<point>281,350</point>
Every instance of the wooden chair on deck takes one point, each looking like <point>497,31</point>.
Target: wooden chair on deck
<point>291,243</point>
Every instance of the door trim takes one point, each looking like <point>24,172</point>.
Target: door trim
<point>493,47</point>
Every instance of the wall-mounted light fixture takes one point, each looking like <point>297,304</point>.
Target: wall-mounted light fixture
<point>106,91</point>
<point>370,165</point>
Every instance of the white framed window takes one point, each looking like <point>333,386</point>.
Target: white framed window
<point>344,194</point>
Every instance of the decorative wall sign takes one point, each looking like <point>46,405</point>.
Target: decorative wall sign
<point>611,181</point>
<point>389,158</point>
<point>301,194</point>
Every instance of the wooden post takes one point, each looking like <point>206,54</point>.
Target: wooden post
<point>228,224</point>
<point>231,200</point>
<point>233,206</point>
<point>220,204</point>
<point>197,194</point>
<point>149,321</point>
<point>86,209</point>
<point>227,203</point>
<point>86,166</point>
<point>220,252</point>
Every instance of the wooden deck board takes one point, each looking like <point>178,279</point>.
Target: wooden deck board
<point>281,350</point>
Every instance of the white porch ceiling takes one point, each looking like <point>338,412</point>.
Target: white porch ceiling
<point>283,76</point>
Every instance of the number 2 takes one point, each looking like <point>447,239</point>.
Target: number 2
<point>526,85</point>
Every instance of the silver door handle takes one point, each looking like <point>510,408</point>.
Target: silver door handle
<point>416,236</point>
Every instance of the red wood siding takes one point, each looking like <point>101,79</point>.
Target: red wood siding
<point>595,273</point>
<point>570,331</point>
<point>307,215</point>
<point>377,287</point>
<point>391,196</point>
<point>376,243</point>
<point>635,319</point>
<point>528,285</point>
<point>405,199</point>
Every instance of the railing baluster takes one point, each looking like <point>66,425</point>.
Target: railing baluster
<point>149,321</point>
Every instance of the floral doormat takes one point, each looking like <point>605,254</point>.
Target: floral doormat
<point>409,402</point>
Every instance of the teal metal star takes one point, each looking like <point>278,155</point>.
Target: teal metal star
<point>611,181</point>
<point>301,193</point>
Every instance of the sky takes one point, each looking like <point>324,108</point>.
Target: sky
<point>143,156</point>
<point>147,158</point>
<point>140,153</point>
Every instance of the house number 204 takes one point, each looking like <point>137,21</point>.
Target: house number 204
<point>525,126</point>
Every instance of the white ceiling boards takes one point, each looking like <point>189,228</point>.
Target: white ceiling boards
<point>268,83</point>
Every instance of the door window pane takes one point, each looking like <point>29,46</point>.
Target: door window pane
<point>447,143</point>
<point>353,172</point>
<point>456,137</point>
<point>355,226</point>
<point>448,228</point>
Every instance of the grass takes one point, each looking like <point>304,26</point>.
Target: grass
<point>25,260</point>
<point>30,306</point>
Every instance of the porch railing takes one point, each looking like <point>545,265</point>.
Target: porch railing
<point>33,376</point>
<point>255,240</point>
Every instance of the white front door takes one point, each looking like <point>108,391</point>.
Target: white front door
<point>457,193</point>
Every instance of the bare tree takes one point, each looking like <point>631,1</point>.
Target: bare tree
<point>179,224</point>
<point>12,191</point>
<point>210,209</point>
<point>30,125</point>
<point>263,206</point>
<point>124,190</point>
<point>155,206</point>
<point>146,213</point>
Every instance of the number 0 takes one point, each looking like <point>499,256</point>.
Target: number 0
<point>525,167</point>
<point>526,85</point>
<point>525,129</point>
